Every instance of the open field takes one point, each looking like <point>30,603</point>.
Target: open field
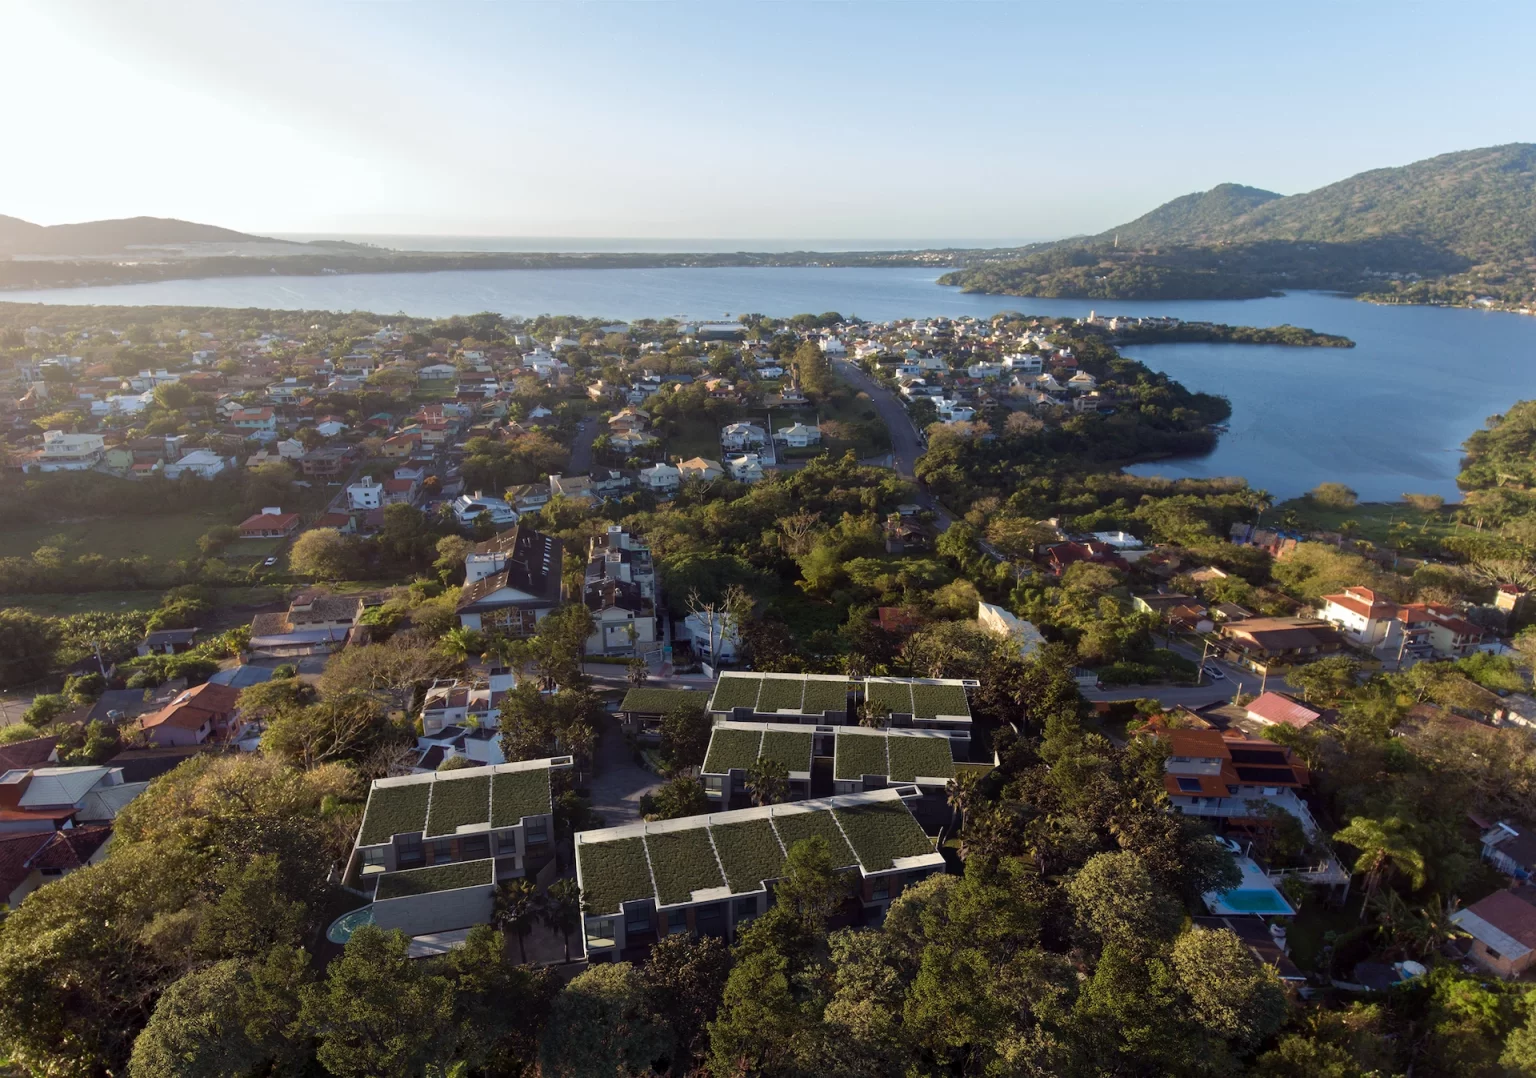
<point>169,535</point>
<point>1382,523</point>
<point>694,436</point>
<point>123,602</point>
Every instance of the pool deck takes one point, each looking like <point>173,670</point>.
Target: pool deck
<point>1260,897</point>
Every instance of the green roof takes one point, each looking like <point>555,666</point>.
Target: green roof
<point>889,697</point>
<point>911,756</point>
<point>683,862</point>
<point>881,832</point>
<point>794,827</point>
<point>423,881</point>
<point>735,690</point>
<point>515,794</point>
<point>456,802</point>
<point>824,696</point>
<point>931,700</point>
<point>732,747</point>
<point>792,748</point>
<point>614,872</point>
<point>858,754</point>
<point>781,694</point>
<point>749,852</point>
<point>661,701</point>
<point>394,810</point>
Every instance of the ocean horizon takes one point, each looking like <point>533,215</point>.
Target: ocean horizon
<point>644,245</point>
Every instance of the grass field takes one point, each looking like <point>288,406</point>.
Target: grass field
<point>694,436</point>
<point>169,535</point>
<point>1378,522</point>
<point>123,602</point>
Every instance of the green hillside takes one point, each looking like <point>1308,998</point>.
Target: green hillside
<point>1457,228</point>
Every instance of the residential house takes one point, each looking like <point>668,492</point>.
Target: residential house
<point>511,582</point>
<point>63,452</point>
<point>712,874</point>
<point>432,847</point>
<point>742,436</point>
<point>1362,615</point>
<point>1503,930</point>
<point>1082,382</point>
<point>1278,709</point>
<point>1182,612</point>
<point>201,716</point>
<point>577,488</point>
<point>619,589</point>
<point>1262,643</point>
<point>314,624</point>
<point>835,700</point>
<point>747,468</point>
<point>799,435</point>
<point>642,710</point>
<point>254,419</point>
<point>632,420</point>
<point>29,860</point>
<point>661,478</point>
<point>168,641</point>
<point>1447,633</point>
<point>700,468</point>
<point>437,375</point>
<point>1059,556</point>
<point>203,463</point>
<point>270,523</point>
<point>401,446</point>
<point>48,799</point>
<point>1511,849</point>
<point>627,441</point>
<point>366,493</point>
<point>400,491</point>
<point>469,509</point>
<point>714,637</point>
<point>528,497</point>
<point>953,411</point>
<point>327,462</point>
<point>1000,622</point>
<point>1231,779</point>
<point>288,391</point>
<point>453,702</point>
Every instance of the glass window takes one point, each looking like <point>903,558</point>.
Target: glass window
<point>746,909</point>
<point>637,921</point>
<point>442,851</point>
<point>713,784</point>
<point>600,932</point>
<point>677,921</point>
<point>373,856</point>
<point>475,846</point>
<point>882,889</point>
<point>536,830</point>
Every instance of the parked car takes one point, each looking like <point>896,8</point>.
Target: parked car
<point>270,562</point>
<point>1214,674</point>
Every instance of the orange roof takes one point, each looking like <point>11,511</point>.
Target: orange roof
<point>1277,708</point>
<point>1203,744</point>
<point>191,709</point>
<point>1362,601</point>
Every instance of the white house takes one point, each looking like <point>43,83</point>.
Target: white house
<point>1360,613</point>
<point>438,373</point>
<point>661,477</point>
<point>747,468</point>
<point>1082,382</point>
<point>204,463</point>
<point>701,468</point>
<point>799,435</point>
<point>951,411</point>
<point>832,346</point>
<point>330,428</point>
<point>467,509</point>
<point>713,634</point>
<point>742,436</point>
<point>1004,623</point>
<point>1023,363</point>
<point>984,370</point>
<point>366,493</point>
<point>63,452</point>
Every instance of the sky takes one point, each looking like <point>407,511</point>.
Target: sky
<point>989,121</point>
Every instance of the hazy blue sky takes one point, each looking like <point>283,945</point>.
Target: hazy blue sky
<point>762,120</point>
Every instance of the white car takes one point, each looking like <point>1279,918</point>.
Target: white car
<point>1214,674</point>
<point>270,562</point>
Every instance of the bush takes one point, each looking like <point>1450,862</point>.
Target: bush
<point>18,731</point>
<point>1333,496</point>
<point>285,671</point>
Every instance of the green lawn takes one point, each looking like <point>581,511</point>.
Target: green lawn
<point>1375,521</point>
<point>122,602</point>
<point>693,436</point>
<point>168,535</point>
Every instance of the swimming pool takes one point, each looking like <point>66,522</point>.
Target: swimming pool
<point>1244,900</point>
<point>342,928</point>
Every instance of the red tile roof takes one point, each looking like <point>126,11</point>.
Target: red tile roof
<point>1510,914</point>
<point>208,703</point>
<point>1277,708</point>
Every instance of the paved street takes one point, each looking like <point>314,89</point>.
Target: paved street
<point>581,446</point>
<point>906,444</point>
<point>617,781</point>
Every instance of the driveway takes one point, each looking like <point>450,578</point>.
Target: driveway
<point>617,781</point>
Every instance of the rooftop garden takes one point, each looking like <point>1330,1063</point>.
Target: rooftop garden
<point>425,881</point>
<point>882,832</point>
<point>931,700</point>
<point>824,696</point>
<point>735,690</point>
<point>858,754</point>
<point>660,701</point>
<point>788,747</point>
<point>683,862</point>
<point>889,697</point>
<point>749,852</point>
<point>614,872</point>
<point>930,757</point>
<point>456,802</point>
<point>795,827</point>
<point>731,747</point>
<point>515,794</point>
<point>781,694</point>
<point>394,810</point>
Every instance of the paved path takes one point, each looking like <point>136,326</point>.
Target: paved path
<point>581,447</point>
<point>617,781</point>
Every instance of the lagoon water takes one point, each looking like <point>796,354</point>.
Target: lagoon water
<point>1385,417</point>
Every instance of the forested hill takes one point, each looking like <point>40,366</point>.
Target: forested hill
<point>18,237</point>
<point>1459,229</point>
<point>1198,214</point>
<point>1477,203</point>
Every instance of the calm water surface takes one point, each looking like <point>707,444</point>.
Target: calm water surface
<point>1386,417</point>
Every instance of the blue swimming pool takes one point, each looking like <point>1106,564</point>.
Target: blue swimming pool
<point>1243,900</point>
<point>342,928</point>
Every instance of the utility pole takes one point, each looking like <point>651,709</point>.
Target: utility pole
<point>99,664</point>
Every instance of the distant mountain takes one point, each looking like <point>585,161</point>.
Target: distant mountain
<point>18,237</point>
<point>1479,204</point>
<point>1190,215</point>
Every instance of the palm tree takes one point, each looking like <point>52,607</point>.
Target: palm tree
<point>464,642</point>
<point>560,910</point>
<point>1384,846</point>
<point>961,793</point>
<point>514,910</point>
<point>1262,501</point>
<point>767,782</point>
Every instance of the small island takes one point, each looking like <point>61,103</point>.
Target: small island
<point>1172,331</point>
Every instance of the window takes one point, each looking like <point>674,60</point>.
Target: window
<point>408,850</point>
<point>637,922</point>
<point>442,850</point>
<point>713,784</point>
<point>473,847</point>
<point>1491,952</point>
<point>710,920</point>
<point>745,909</point>
<point>600,932</point>
<point>536,831</point>
<point>677,921</point>
<point>373,857</point>
<point>882,889</point>
<point>1189,785</point>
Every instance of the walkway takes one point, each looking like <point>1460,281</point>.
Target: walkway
<point>617,781</point>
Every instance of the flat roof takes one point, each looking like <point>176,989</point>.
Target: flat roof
<point>739,745</point>
<point>423,881</point>
<point>722,854</point>
<point>661,701</point>
<point>464,801</point>
<point>896,755</point>
<point>818,694</point>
